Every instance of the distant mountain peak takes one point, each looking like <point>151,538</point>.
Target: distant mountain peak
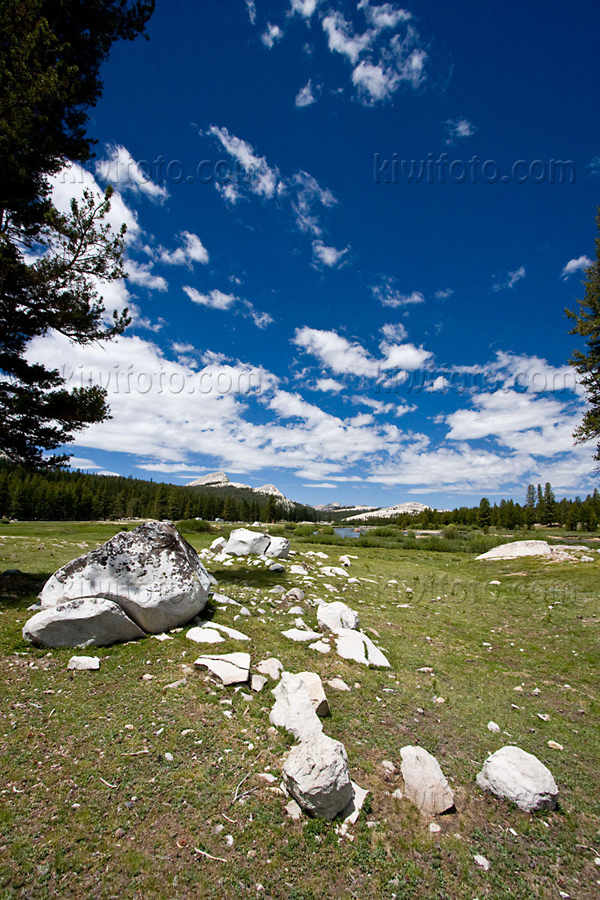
<point>215,478</point>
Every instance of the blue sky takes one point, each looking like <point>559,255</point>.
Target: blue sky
<point>307,312</point>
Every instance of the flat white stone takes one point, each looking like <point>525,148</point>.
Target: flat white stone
<point>358,647</point>
<point>257,682</point>
<point>320,647</point>
<point>271,667</point>
<point>84,663</point>
<point>297,634</point>
<point>518,548</point>
<point>230,668</point>
<point>338,684</point>
<point>204,635</point>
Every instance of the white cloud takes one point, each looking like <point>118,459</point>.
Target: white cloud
<point>260,177</point>
<point>329,386</point>
<point>404,356</point>
<point>341,37</point>
<point>325,484</point>
<point>389,295</point>
<point>443,294</point>
<point>304,8</point>
<point>271,35</point>
<point>459,128</point>
<point>394,332</point>
<point>575,265</point>
<point>510,280</point>
<point>374,80</point>
<point>121,171</point>
<point>336,352</point>
<point>305,96</point>
<point>141,274</point>
<point>251,7</point>
<point>328,256</point>
<point>308,194</point>
<point>386,15</point>
<point>214,299</point>
<point>192,251</point>
<point>345,357</point>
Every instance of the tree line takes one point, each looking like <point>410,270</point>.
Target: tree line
<point>80,496</point>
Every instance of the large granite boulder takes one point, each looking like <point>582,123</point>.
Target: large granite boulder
<point>151,573</point>
<point>519,776</point>
<point>424,782</point>
<point>316,775</point>
<point>243,542</point>
<point>81,623</point>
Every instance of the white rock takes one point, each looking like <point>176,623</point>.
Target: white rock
<point>519,776</point>
<point>314,687</point>
<point>84,663</point>
<point>276,567</point>
<point>424,782</point>
<point>230,668</point>
<point>257,683</point>
<point>435,828</point>
<point>296,611</point>
<point>152,573</point>
<point>298,570</point>
<point>338,684</point>
<point>218,545</point>
<point>293,810</point>
<point>481,861</point>
<point>336,615</point>
<point>297,634</point>
<point>294,710</point>
<point>295,594</point>
<point>357,646</point>
<point>243,542</point>
<point>351,813</point>
<point>81,623</point>
<point>279,548</point>
<point>345,561</point>
<point>518,548</point>
<point>195,634</point>
<point>494,727</point>
<point>320,647</point>
<point>271,667</point>
<point>316,775</point>
<point>204,635</point>
<point>224,600</point>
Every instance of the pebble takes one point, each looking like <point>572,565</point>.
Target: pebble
<point>434,827</point>
<point>482,862</point>
<point>169,757</point>
<point>494,727</point>
<point>554,745</point>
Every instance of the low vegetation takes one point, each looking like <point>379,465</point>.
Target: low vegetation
<point>90,805</point>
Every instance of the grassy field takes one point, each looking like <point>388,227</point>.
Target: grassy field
<point>90,806</point>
